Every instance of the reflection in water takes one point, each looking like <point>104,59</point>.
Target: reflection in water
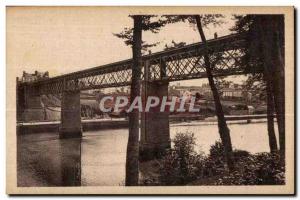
<point>45,160</point>
<point>98,159</point>
<point>70,162</point>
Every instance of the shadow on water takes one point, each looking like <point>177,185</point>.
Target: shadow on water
<point>52,162</point>
<point>71,162</point>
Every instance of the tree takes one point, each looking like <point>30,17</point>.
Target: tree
<point>271,29</point>
<point>221,84</point>
<point>223,128</point>
<point>132,158</point>
<point>133,36</point>
<point>149,23</point>
<point>200,22</point>
<point>174,45</point>
<point>265,50</point>
<point>270,118</point>
<point>258,84</point>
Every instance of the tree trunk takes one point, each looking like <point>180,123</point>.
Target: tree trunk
<point>132,158</point>
<point>274,71</point>
<point>270,117</point>
<point>279,86</point>
<point>222,125</point>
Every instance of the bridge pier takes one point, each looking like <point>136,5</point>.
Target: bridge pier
<point>21,101</point>
<point>70,126</point>
<point>155,131</point>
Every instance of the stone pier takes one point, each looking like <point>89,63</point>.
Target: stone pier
<point>70,115</point>
<point>155,131</point>
<point>21,102</point>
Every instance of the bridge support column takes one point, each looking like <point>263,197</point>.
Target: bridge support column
<point>70,115</point>
<point>155,131</point>
<point>21,102</point>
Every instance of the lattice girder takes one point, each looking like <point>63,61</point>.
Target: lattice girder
<point>178,64</point>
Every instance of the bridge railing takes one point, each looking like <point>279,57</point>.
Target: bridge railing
<point>178,64</point>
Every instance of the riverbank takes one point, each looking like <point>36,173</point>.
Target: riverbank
<point>87,125</point>
<point>119,123</point>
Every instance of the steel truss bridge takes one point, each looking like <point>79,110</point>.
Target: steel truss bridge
<point>171,65</point>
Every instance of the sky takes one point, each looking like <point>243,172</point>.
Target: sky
<point>67,39</point>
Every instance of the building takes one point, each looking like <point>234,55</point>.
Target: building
<point>181,90</point>
<point>36,76</point>
<point>228,91</point>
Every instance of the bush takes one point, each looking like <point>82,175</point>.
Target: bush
<point>179,163</point>
<point>214,164</point>
<point>258,169</point>
<point>182,165</point>
<point>269,169</point>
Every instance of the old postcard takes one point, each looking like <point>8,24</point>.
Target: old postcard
<point>150,100</point>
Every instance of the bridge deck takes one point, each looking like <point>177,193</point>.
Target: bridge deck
<point>178,64</point>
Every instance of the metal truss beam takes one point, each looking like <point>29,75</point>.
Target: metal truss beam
<point>179,64</point>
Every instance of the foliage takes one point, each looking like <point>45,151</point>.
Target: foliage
<point>264,51</point>
<point>149,23</point>
<point>154,23</point>
<point>252,56</point>
<point>214,163</point>
<point>174,45</point>
<point>249,26</point>
<point>256,85</point>
<point>258,169</point>
<point>221,84</point>
<point>183,165</point>
<point>214,19</point>
<point>178,165</point>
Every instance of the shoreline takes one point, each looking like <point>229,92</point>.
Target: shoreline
<point>100,124</point>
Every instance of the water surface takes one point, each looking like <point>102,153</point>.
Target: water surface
<point>98,159</point>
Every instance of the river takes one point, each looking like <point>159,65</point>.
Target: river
<point>98,159</point>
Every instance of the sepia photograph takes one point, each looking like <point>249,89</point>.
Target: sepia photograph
<point>150,100</point>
